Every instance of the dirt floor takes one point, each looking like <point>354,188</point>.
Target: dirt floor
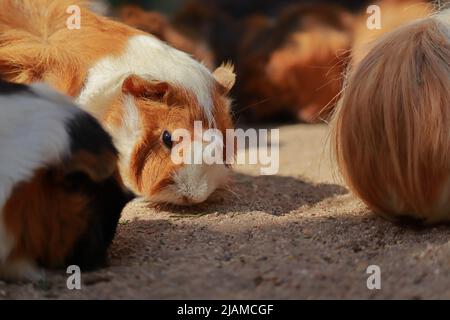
<point>296,235</point>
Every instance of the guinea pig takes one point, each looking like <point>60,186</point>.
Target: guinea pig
<point>139,88</point>
<point>293,65</point>
<point>205,22</point>
<point>158,25</point>
<point>391,130</point>
<point>60,199</point>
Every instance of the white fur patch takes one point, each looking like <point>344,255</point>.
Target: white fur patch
<point>32,135</point>
<point>125,137</point>
<point>151,59</point>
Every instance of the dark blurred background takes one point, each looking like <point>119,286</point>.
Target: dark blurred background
<point>237,8</point>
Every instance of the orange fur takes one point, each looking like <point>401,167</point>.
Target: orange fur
<point>294,65</point>
<point>394,13</point>
<point>177,108</point>
<point>391,130</point>
<point>47,227</point>
<point>35,45</point>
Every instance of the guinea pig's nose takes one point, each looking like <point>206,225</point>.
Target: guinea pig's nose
<point>194,199</point>
<point>194,183</point>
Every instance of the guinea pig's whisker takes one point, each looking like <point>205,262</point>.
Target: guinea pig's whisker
<point>250,106</point>
<point>229,190</point>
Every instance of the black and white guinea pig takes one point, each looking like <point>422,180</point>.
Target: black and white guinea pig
<point>60,192</point>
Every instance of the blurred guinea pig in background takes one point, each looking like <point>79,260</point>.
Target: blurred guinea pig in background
<point>60,199</point>
<point>139,88</point>
<point>293,64</point>
<point>289,63</point>
<point>158,25</point>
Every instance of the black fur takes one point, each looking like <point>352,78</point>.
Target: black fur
<point>87,134</point>
<point>107,199</point>
<point>12,88</point>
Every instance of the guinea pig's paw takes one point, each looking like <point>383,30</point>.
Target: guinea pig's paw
<point>21,270</point>
<point>92,150</point>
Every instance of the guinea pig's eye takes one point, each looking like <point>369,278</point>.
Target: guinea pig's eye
<point>167,139</point>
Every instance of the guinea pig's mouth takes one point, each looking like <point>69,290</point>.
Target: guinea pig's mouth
<point>190,185</point>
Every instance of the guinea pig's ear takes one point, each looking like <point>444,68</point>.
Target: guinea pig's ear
<point>225,77</point>
<point>142,88</point>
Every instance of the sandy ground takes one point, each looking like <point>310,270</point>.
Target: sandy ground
<point>296,235</point>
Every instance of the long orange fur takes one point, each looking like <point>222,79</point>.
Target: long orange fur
<point>390,132</point>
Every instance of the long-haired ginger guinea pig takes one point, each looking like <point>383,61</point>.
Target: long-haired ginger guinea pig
<point>139,88</point>
<point>391,131</point>
<point>60,200</point>
<point>293,65</point>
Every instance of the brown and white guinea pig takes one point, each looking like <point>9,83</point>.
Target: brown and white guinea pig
<point>139,88</point>
<point>293,65</point>
<point>158,25</point>
<point>60,200</point>
<point>393,13</point>
<point>391,130</point>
